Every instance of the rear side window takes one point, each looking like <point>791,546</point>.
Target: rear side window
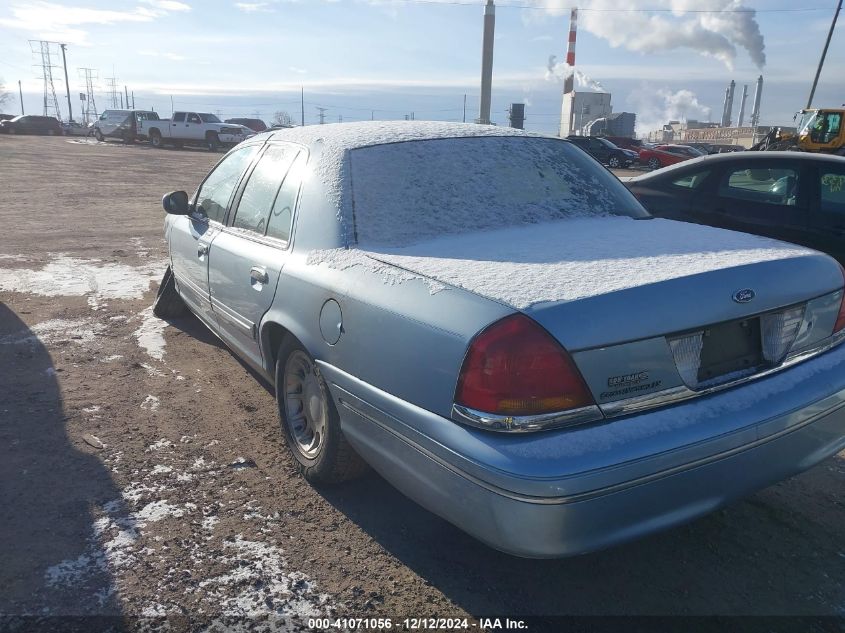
<point>282,215</point>
<point>179,117</point>
<point>768,186</point>
<point>691,181</point>
<point>832,186</point>
<point>261,189</point>
<point>214,194</point>
<point>194,118</point>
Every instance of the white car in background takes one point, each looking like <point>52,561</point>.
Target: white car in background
<point>193,128</point>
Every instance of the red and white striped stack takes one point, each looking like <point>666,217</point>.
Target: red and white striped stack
<point>569,81</point>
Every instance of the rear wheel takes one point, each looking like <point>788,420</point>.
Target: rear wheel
<point>155,139</point>
<point>168,303</point>
<point>212,141</point>
<point>654,163</point>
<point>98,134</point>
<point>309,419</point>
<point>614,162</point>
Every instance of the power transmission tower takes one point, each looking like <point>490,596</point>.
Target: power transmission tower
<point>89,108</point>
<point>111,83</point>
<point>322,114</point>
<point>44,52</point>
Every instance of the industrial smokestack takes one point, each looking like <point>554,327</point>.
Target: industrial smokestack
<point>487,62</point>
<point>758,95</point>
<point>569,80</point>
<point>742,105</point>
<point>730,109</point>
<point>723,120</point>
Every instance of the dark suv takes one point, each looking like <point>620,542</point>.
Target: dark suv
<point>604,151</point>
<point>32,124</point>
<point>256,125</point>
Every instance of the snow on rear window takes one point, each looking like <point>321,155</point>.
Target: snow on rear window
<point>411,191</point>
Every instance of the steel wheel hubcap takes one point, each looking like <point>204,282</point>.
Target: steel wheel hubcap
<point>306,409</point>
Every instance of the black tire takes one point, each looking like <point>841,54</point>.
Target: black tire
<point>614,162</point>
<point>335,460</point>
<point>155,139</point>
<point>212,141</point>
<point>98,134</point>
<point>654,163</point>
<point>168,303</point>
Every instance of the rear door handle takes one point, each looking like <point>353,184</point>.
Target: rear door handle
<point>259,274</point>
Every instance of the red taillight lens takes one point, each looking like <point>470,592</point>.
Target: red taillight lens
<point>515,367</point>
<point>840,319</point>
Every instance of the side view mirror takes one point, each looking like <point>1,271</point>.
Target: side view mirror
<point>175,202</point>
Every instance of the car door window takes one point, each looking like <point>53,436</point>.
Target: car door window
<point>194,118</point>
<point>179,117</point>
<point>214,193</point>
<point>691,181</point>
<point>262,188</point>
<point>769,186</point>
<point>832,189</point>
<point>282,215</point>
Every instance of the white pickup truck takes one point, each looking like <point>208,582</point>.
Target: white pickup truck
<point>192,128</point>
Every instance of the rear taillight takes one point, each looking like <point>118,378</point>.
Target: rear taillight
<point>515,368</point>
<point>840,318</point>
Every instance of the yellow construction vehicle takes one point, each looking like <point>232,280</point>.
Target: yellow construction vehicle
<point>819,130</point>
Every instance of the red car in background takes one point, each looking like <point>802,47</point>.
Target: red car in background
<point>663,155</point>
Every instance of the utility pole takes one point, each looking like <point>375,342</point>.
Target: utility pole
<point>465,108</point>
<point>67,83</point>
<point>372,115</point>
<point>171,106</point>
<point>322,114</point>
<point>45,49</point>
<point>302,106</point>
<point>126,92</point>
<point>133,99</point>
<point>121,101</point>
<point>20,91</point>
<point>89,109</point>
<point>824,54</point>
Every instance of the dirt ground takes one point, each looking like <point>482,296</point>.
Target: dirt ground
<point>186,502</point>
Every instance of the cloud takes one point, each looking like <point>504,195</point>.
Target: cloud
<point>254,7</point>
<point>166,55</point>
<point>48,20</point>
<point>168,5</point>
<point>655,108</point>
<point>680,24</point>
<point>295,69</point>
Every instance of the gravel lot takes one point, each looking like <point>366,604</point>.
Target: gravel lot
<point>189,503</point>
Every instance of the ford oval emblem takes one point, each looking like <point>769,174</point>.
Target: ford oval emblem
<point>744,296</point>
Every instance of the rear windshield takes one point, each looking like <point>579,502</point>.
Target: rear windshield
<point>408,192</point>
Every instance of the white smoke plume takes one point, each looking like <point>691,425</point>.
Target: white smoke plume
<point>559,71</point>
<point>717,33</point>
<point>655,108</point>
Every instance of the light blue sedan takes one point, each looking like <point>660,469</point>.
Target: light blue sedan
<point>490,320</point>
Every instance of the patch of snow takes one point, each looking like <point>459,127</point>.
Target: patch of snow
<point>568,260</point>
<point>150,403</point>
<point>150,334</point>
<point>112,358</point>
<point>79,331</point>
<point>73,276</point>
<point>91,409</point>
<point>154,610</point>
<point>153,371</point>
<point>342,259</point>
<point>208,523</point>
<point>161,469</point>
<point>157,446</point>
<point>158,510</point>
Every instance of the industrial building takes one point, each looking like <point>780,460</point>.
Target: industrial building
<point>614,124</point>
<point>580,109</point>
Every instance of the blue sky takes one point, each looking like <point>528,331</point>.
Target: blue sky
<point>385,59</point>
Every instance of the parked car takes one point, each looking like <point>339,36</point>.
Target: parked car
<point>122,124</point>
<point>505,334</point>
<point>32,124</point>
<point>74,128</point>
<point>793,196</point>
<point>624,142</point>
<point>6,117</point>
<point>256,125</point>
<point>604,151</point>
<point>664,155</point>
<point>192,128</point>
